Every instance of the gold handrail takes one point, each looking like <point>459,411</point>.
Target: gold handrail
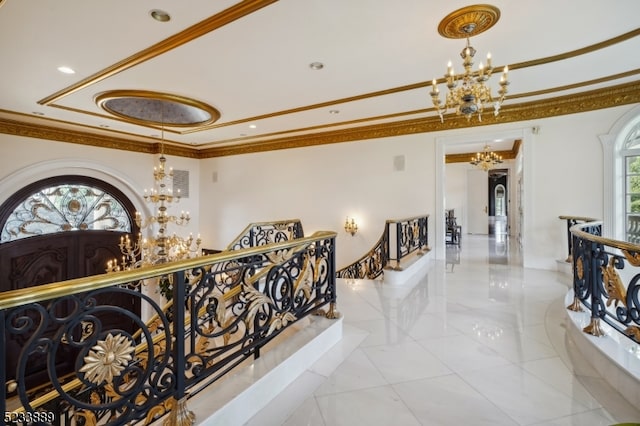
<point>622,245</point>
<point>254,224</point>
<point>406,219</point>
<point>580,218</point>
<point>13,298</point>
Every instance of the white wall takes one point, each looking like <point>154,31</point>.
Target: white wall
<point>321,186</point>
<point>562,172</point>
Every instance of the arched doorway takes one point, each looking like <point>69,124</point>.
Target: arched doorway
<point>58,229</point>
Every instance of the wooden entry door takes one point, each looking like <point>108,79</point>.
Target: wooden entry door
<point>56,257</point>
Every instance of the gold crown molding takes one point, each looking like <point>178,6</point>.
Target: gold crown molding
<point>469,21</point>
<point>212,23</point>
<point>623,94</point>
<point>38,131</point>
<point>509,154</point>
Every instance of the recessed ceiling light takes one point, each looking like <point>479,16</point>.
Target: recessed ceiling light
<point>334,111</point>
<point>160,15</point>
<point>37,113</point>
<point>104,126</point>
<point>252,126</point>
<point>66,70</point>
<point>316,65</point>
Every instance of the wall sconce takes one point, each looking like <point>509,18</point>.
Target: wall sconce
<point>351,227</point>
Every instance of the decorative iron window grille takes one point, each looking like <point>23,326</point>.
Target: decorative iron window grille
<point>63,208</point>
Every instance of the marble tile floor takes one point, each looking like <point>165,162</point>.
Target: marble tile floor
<point>477,340</point>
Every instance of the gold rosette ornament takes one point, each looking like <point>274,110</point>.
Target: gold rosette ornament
<point>107,359</point>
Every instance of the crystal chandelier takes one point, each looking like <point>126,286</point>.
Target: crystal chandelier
<point>468,94</point>
<point>486,159</point>
<point>159,247</point>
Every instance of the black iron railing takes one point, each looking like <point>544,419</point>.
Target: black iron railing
<point>231,305</point>
<point>400,238</point>
<point>372,264</point>
<point>570,221</point>
<point>261,233</point>
<point>411,235</point>
<point>606,275</point>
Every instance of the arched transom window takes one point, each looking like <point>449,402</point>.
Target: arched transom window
<point>62,208</point>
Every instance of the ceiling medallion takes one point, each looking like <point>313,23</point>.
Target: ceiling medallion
<point>157,109</point>
<point>469,21</point>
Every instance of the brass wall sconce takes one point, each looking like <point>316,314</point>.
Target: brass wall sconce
<point>351,226</point>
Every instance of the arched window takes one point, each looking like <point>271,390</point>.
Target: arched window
<point>631,153</point>
<point>65,207</point>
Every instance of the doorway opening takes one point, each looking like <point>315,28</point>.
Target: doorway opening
<point>498,197</point>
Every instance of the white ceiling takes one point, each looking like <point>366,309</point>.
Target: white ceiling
<point>253,65</point>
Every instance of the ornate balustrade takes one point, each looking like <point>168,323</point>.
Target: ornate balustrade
<point>633,228</point>
<point>372,264</point>
<point>261,233</point>
<point>231,305</point>
<point>605,280</point>
<point>409,235</point>
<point>573,220</point>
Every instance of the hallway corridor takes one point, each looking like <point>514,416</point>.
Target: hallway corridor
<point>474,340</point>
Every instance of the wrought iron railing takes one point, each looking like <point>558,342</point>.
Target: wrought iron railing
<point>407,235</point>
<point>606,275</point>
<point>231,305</point>
<point>261,233</point>
<point>573,220</point>
<point>411,235</point>
<point>372,264</point>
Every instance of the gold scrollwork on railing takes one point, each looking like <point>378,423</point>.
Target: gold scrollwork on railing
<point>632,257</point>
<point>613,284</point>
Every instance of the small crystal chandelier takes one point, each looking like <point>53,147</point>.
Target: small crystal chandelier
<point>468,94</point>
<point>486,159</point>
<point>159,247</point>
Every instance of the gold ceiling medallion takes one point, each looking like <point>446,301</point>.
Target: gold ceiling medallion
<point>469,21</point>
<point>157,109</point>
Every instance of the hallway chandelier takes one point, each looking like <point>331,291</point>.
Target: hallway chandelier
<point>468,94</point>
<point>486,159</point>
<point>158,247</point>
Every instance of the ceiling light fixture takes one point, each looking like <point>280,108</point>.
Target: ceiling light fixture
<point>66,70</point>
<point>316,65</point>
<point>486,159</point>
<point>159,247</point>
<point>468,95</point>
<point>160,15</point>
